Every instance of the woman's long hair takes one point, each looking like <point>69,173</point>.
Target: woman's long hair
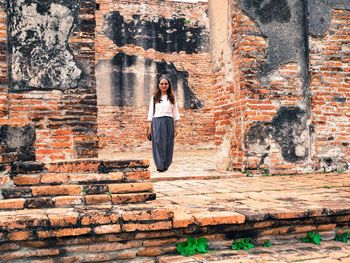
<point>158,93</point>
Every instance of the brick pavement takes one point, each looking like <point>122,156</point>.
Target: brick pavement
<point>281,209</point>
<point>187,165</point>
<point>223,201</point>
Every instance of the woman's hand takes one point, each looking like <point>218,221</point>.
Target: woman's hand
<point>149,129</point>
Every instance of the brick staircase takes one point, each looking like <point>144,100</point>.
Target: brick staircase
<point>69,184</point>
<point>99,211</point>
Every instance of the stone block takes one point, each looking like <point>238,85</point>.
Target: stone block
<point>27,179</point>
<point>12,204</point>
<point>150,214</point>
<point>130,188</point>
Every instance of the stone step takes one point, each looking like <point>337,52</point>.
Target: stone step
<point>75,200</point>
<point>50,178</point>
<point>147,233</point>
<point>326,252</point>
<point>30,167</point>
<point>56,190</point>
<point>96,166</point>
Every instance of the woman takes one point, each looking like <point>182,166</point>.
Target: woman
<point>163,123</point>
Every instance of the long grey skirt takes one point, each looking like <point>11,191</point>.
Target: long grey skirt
<point>162,142</point>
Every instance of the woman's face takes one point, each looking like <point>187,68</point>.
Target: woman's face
<point>163,85</point>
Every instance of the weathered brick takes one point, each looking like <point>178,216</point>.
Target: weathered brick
<point>9,246</point>
<point>218,218</point>
<point>182,219</point>
<point>65,219</point>
<point>19,235</point>
<point>99,217</point>
<point>132,198</point>
<point>56,190</point>
<point>53,178</point>
<point>68,201</point>
<point>159,242</point>
<point>130,187</point>
<point>100,247</point>
<point>63,232</point>
<point>12,204</point>
<point>107,229</point>
<point>150,252</point>
<point>152,214</point>
<point>97,199</point>
<point>162,225</point>
<point>28,253</point>
<point>27,179</point>
<point>136,176</point>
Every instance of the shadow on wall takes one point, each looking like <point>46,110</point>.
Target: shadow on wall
<point>163,35</point>
<point>130,81</point>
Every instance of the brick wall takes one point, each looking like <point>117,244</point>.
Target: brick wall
<point>272,117</point>
<point>63,120</point>
<point>122,123</point>
<point>330,86</point>
<point>245,108</point>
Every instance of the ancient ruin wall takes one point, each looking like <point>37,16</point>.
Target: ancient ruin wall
<point>273,117</point>
<point>330,87</point>
<point>49,99</point>
<point>138,41</point>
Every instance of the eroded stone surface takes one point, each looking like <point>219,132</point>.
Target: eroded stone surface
<point>40,55</point>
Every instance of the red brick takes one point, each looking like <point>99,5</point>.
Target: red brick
<point>56,190</point>
<point>64,219</point>
<point>218,218</point>
<point>130,198</point>
<point>27,179</point>
<point>107,229</point>
<point>99,218</point>
<point>64,232</point>
<point>51,178</point>
<point>68,201</point>
<point>12,204</point>
<point>97,199</point>
<point>130,187</point>
<point>149,252</point>
<point>162,225</point>
<point>28,253</point>
<point>153,214</point>
<point>19,235</point>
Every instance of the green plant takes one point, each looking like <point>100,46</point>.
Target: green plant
<point>267,243</point>
<point>247,173</point>
<point>109,193</point>
<point>343,237</point>
<point>312,237</point>
<point>265,172</point>
<point>340,170</point>
<point>245,244</point>
<point>187,21</point>
<point>193,246</point>
<point>84,190</point>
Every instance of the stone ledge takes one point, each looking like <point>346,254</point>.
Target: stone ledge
<point>94,166</point>
<point>143,232</point>
<point>75,200</point>
<point>329,251</point>
<point>62,190</point>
